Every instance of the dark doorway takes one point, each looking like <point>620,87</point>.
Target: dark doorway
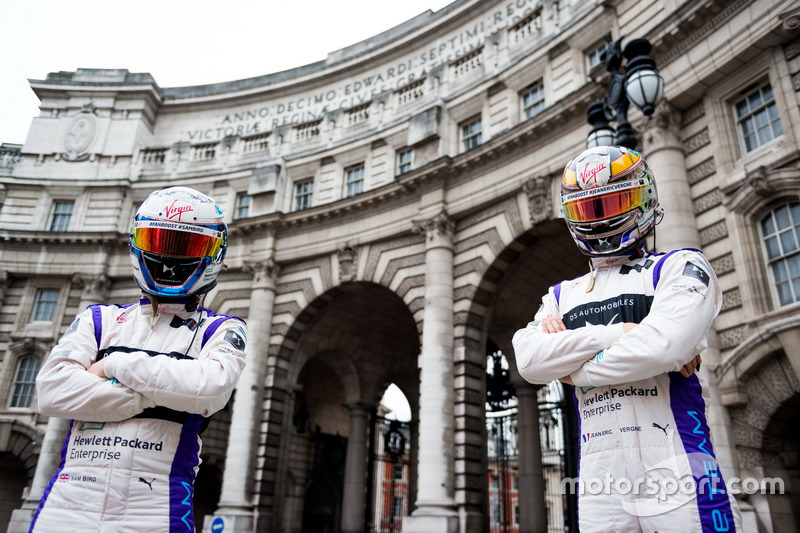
<point>322,508</point>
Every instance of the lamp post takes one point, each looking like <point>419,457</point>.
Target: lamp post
<point>640,84</point>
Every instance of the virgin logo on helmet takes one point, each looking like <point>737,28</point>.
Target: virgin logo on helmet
<point>590,174</point>
<point>172,211</point>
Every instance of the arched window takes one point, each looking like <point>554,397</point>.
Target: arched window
<point>780,233</point>
<point>25,381</point>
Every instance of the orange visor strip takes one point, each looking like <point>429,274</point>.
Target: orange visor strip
<point>605,202</point>
<point>173,238</point>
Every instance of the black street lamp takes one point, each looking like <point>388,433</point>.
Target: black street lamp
<point>641,84</point>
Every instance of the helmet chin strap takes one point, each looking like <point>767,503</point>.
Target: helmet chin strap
<point>659,218</point>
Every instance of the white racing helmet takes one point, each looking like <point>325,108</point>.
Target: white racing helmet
<point>177,243</point>
<point>609,200</point>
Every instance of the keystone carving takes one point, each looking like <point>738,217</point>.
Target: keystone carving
<point>93,287</point>
<point>539,199</point>
<point>347,263</point>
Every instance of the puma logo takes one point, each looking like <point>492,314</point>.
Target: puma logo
<point>148,483</point>
<point>664,429</point>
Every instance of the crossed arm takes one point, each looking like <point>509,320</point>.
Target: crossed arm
<point>552,324</point>
<point>666,340</point>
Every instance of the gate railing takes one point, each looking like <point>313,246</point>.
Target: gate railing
<point>389,475</point>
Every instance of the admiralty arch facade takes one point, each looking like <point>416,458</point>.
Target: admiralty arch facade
<point>393,219</point>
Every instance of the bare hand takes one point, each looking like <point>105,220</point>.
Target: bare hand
<point>689,368</point>
<point>98,369</point>
<point>627,326</point>
<point>551,324</point>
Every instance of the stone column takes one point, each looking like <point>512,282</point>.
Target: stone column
<point>355,471</point>
<point>532,514</point>
<point>435,506</point>
<point>94,290</point>
<point>236,506</point>
<point>664,153</point>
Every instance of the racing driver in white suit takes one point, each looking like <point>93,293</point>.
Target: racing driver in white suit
<point>139,381</point>
<point>627,335</point>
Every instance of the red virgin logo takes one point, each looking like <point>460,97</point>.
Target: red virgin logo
<point>590,174</point>
<point>173,211</point>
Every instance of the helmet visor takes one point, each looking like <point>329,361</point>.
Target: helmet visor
<point>606,202</point>
<point>176,239</point>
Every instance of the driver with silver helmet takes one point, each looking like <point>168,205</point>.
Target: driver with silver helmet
<point>139,381</point>
<point>627,336</point>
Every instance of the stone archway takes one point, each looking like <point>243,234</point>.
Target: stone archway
<point>766,429</point>
<point>339,355</point>
<point>19,452</point>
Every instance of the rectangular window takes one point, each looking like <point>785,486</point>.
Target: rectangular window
<point>46,301</point>
<point>405,161</point>
<point>62,213</point>
<point>471,134</point>
<point>354,180</point>
<point>303,194</point>
<point>757,116</point>
<point>243,202</point>
<point>25,382</point>
<point>533,100</point>
<point>780,233</point>
<point>595,57</point>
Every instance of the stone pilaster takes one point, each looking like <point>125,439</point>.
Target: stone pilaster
<point>532,515</point>
<point>435,506</point>
<point>664,153</point>
<point>355,472</point>
<point>236,507</point>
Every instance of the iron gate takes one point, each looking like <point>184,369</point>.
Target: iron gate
<point>558,439</point>
<point>388,496</point>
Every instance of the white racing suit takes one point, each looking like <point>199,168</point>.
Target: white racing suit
<point>133,449</point>
<point>646,459</point>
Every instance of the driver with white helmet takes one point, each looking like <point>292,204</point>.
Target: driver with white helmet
<point>139,381</point>
<point>627,335</point>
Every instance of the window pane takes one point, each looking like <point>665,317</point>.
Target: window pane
<point>777,130</point>
<point>779,271</point>
<point>243,202</point>
<point>788,242</point>
<point>764,135</point>
<point>303,193</point>
<point>25,382</point>
<point>784,294</point>
<point>794,266</point>
<point>46,305</point>
<point>405,161</point>
<point>354,181</point>
<point>62,213</point>
<point>795,210</point>
<point>782,217</point>
<point>757,115</point>
<point>767,225</point>
<point>773,250</point>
